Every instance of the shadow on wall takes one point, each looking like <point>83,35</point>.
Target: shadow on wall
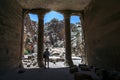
<point>108,57</point>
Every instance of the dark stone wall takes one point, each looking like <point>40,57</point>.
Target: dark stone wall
<point>10,34</point>
<point>102,33</point>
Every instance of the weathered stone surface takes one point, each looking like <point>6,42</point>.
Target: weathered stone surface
<point>84,67</point>
<point>73,69</point>
<point>102,33</point>
<point>82,76</point>
<point>10,34</point>
<point>101,29</point>
<point>55,4</point>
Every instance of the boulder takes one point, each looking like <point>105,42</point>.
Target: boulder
<point>73,69</point>
<point>82,76</point>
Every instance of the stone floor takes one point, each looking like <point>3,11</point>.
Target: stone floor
<point>39,74</point>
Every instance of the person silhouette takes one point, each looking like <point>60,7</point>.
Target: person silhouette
<point>46,57</point>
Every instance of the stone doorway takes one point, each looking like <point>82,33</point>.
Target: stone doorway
<point>54,39</point>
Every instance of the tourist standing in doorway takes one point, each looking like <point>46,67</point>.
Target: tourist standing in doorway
<point>46,57</point>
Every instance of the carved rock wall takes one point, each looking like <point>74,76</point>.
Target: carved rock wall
<point>10,34</point>
<point>102,33</point>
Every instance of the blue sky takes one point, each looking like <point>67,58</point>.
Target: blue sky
<point>53,14</point>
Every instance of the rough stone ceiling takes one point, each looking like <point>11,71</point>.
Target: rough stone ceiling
<point>55,4</point>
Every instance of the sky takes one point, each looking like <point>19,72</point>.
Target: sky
<point>52,14</point>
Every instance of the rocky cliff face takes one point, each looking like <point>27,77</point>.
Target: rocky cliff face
<point>54,32</point>
<point>30,34</point>
<point>54,35</point>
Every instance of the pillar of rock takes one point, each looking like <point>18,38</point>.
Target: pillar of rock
<point>41,37</point>
<point>68,54</point>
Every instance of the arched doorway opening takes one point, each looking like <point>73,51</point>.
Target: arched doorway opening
<point>77,40</point>
<point>30,40</point>
<point>54,38</point>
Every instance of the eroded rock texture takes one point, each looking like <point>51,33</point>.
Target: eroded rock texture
<point>101,26</point>
<point>102,33</point>
<point>10,34</point>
